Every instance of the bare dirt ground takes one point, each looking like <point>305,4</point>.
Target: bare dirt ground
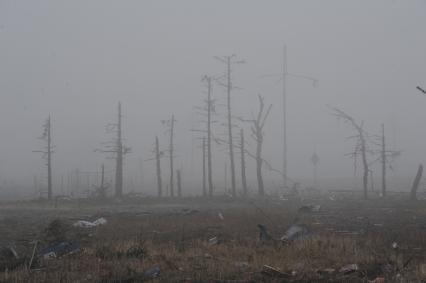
<point>200,240</point>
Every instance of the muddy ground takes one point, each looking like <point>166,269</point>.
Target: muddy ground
<point>218,240</point>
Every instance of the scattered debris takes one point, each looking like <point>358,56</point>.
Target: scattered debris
<point>377,280</point>
<point>187,211</point>
<point>264,235</point>
<point>9,258</point>
<point>213,241</point>
<point>220,216</point>
<point>296,232</point>
<point>241,264</point>
<point>60,249</point>
<point>310,208</point>
<point>348,269</point>
<point>152,273</point>
<point>274,272</point>
<point>394,245</point>
<point>56,231</point>
<point>326,271</point>
<point>88,224</point>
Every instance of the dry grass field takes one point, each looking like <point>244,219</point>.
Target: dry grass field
<point>200,240</point>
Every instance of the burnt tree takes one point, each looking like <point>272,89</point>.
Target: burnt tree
<point>243,163</point>
<point>158,167</point>
<point>361,145</point>
<point>47,154</point>
<point>117,149</point>
<point>170,128</point>
<point>227,83</point>
<point>256,126</point>
<point>413,194</point>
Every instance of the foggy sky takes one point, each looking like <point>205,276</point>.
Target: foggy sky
<point>75,60</point>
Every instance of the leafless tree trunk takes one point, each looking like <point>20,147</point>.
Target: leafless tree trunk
<point>362,146</point>
<point>179,183</point>
<point>416,183</point>
<point>228,60</point>
<point>230,140</point>
<point>47,154</point>
<point>49,159</point>
<point>171,152</point>
<point>243,164</point>
<point>209,135</point>
<point>102,181</point>
<point>383,159</point>
<point>157,159</point>
<point>119,157</point>
<point>257,133</point>
<point>204,168</point>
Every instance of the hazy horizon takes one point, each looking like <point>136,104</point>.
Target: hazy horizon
<point>75,60</point>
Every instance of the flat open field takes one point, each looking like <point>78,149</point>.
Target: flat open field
<point>218,240</point>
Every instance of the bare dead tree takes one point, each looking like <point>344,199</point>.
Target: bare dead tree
<point>158,167</point>
<point>243,163</point>
<point>413,195</point>
<point>170,127</point>
<point>204,168</point>
<point>361,145</point>
<point>158,154</point>
<point>383,162</point>
<point>179,183</point>
<point>118,150</point>
<point>47,154</point>
<point>207,112</point>
<point>257,133</point>
<point>421,89</point>
<point>210,111</point>
<point>229,61</point>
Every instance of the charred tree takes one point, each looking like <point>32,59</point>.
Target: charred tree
<point>413,195</point>
<point>243,164</point>
<point>47,154</point>
<point>210,109</point>
<point>118,151</point>
<point>257,124</point>
<point>119,157</point>
<point>383,161</point>
<point>228,61</point>
<point>204,168</point>
<point>179,183</point>
<point>171,152</point>
<point>158,167</point>
<point>361,145</point>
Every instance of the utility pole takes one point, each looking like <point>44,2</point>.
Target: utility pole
<point>283,76</point>
<point>228,61</point>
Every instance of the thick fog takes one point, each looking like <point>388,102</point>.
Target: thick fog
<point>75,60</point>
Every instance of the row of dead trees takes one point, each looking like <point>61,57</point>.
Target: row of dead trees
<point>364,150</point>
